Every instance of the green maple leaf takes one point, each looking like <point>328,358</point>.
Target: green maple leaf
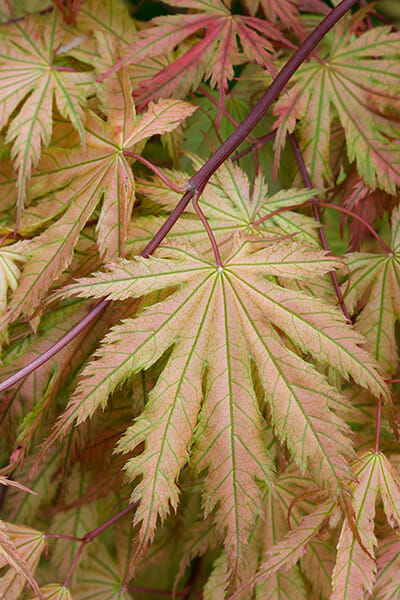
<point>217,321</point>
<point>357,80</point>
<point>375,283</point>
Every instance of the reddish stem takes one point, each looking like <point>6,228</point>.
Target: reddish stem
<point>74,563</point>
<point>207,94</point>
<point>258,144</point>
<point>307,182</point>
<point>145,590</point>
<point>44,11</point>
<point>64,341</point>
<point>280,210</point>
<point>346,211</point>
<point>383,20</point>
<point>368,20</point>
<point>88,537</point>
<point>5,237</point>
<point>156,170</point>
<point>207,227</point>
<point>378,425</point>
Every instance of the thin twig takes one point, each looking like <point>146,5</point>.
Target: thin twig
<point>314,202</point>
<point>155,591</point>
<point>88,537</point>
<point>207,227</point>
<point>378,424</point>
<point>258,144</point>
<point>156,170</point>
<point>211,98</point>
<point>368,20</point>
<point>280,210</point>
<point>349,212</point>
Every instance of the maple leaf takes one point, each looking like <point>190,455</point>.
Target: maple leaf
<point>9,275</point>
<point>76,519</point>
<point>284,11</point>
<point>103,576</point>
<point>15,484</point>
<point>31,80</point>
<point>355,80</point>
<point>9,271</point>
<point>279,511</point>
<point>53,591</point>
<point>82,178</point>
<point>219,317</point>
<point>214,55</point>
<point>387,585</point>
<point>374,281</point>
<point>366,203</point>
<point>355,570</point>
<point>20,548</point>
<point>229,204</point>
<point>285,533</point>
<point>12,9</point>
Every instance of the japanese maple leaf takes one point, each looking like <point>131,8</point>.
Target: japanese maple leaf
<point>20,550</point>
<point>357,80</point>
<point>387,585</point>
<point>375,283</point>
<point>9,275</point>
<point>366,203</point>
<point>284,11</point>
<point>218,318</point>
<point>53,591</point>
<point>286,533</point>
<point>229,204</point>
<point>355,570</point>
<point>30,82</point>
<point>82,177</point>
<point>228,40</point>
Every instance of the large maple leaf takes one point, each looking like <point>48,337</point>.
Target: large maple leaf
<point>82,177</point>
<point>217,321</point>
<point>374,292</point>
<point>355,79</point>
<point>30,81</point>
<point>228,40</point>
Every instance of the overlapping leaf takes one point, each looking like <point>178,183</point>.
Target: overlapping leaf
<point>284,11</point>
<point>214,55</point>
<point>53,591</point>
<point>31,80</point>
<point>357,80</point>
<point>355,569</point>
<point>375,281</point>
<point>229,204</point>
<point>279,512</point>
<point>216,319</point>
<point>83,177</point>
<point>20,549</point>
<point>387,586</point>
